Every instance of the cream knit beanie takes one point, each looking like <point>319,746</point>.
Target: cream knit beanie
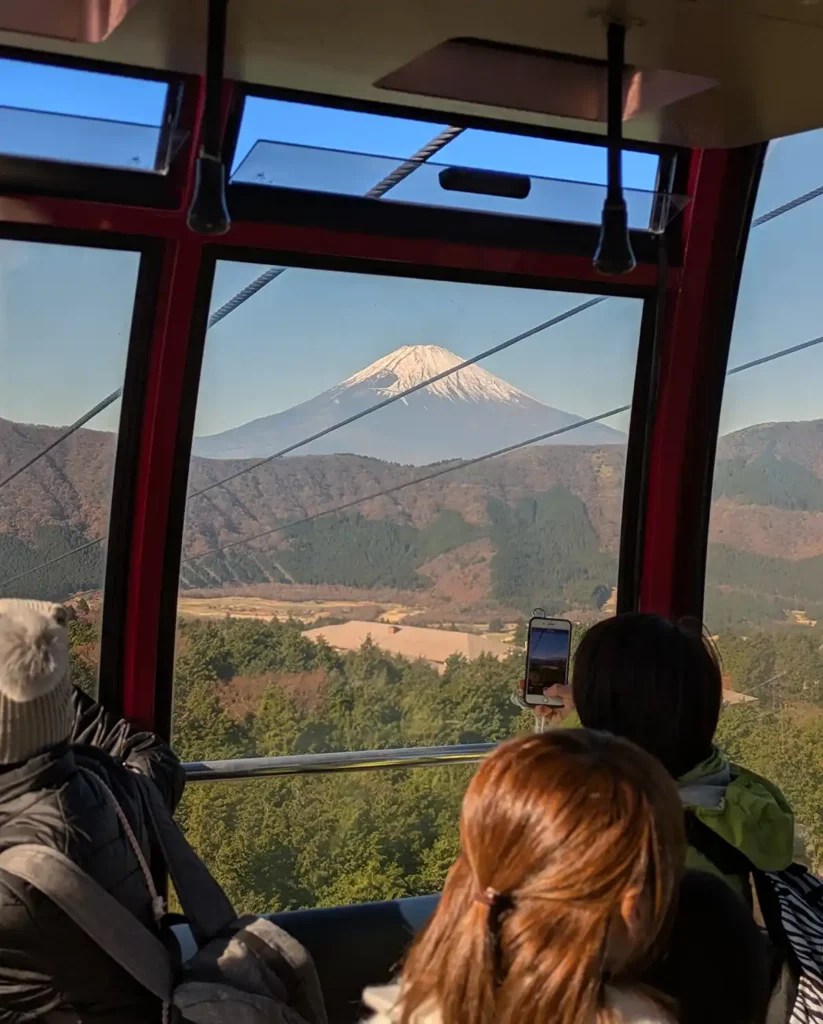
<point>35,693</point>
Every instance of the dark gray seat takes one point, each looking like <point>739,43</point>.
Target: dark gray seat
<point>356,946</point>
<point>352,946</point>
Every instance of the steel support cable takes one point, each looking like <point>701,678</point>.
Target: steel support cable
<point>402,171</point>
<point>792,204</point>
<point>84,419</point>
<point>377,191</point>
<point>399,173</point>
<point>276,271</point>
<point>566,315</point>
<point>502,451</point>
<point>419,480</point>
<point>763,219</point>
<point>410,483</point>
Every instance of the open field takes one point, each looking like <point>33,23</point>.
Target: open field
<point>254,607</point>
<point>309,611</point>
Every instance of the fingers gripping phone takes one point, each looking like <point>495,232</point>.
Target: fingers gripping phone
<point>547,659</point>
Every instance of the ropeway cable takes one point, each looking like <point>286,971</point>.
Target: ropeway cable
<point>383,186</point>
<point>274,272</point>
<point>792,204</point>
<point>84,419</point>
<point>764,218</point>
<point>464,464</point>
<point>377,191</point>
<point>419,480</point>
<point>552,322</point>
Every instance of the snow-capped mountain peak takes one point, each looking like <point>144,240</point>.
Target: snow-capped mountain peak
<point>412,364</point>
<point>468,413</point>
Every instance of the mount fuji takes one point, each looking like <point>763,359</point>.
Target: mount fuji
<point>465,414</point>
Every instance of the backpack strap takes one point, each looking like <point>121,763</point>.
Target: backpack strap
<point>730,861</point>
<point>725,857</point>
<point>96,912</point>
<point>201,896</point>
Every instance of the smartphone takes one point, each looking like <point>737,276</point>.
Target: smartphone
<point>547,659</point>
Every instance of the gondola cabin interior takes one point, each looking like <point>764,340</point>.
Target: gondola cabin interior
<point>338,337</point>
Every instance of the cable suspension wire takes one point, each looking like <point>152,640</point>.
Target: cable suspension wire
<point>412,163</point>
<point>54,561</point>
<point>411,483</point>
<point>763,219</point>
<point>400,172</point>
<point>408,391</point>
<point>792,204</point>
<point>419,480</point>
<point>84,419</point>
<point>377,191</point>
<point>776,355</point>
<point>491,455</point>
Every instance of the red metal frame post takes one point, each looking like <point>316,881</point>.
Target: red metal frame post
<point>180,276</point>
<point>700,317</point>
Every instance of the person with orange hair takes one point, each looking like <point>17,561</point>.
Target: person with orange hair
<point>572,850</point>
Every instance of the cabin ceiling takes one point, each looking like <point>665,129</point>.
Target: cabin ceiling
<point>766,55</point>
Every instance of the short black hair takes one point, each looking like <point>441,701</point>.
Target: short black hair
<point>652,681</point>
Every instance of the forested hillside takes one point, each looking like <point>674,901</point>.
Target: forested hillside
<point>246,688</point>
<point>537,527</point>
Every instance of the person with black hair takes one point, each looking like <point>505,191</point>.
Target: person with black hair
<point>658,683</point>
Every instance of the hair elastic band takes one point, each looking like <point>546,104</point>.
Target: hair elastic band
<point>488,897</point>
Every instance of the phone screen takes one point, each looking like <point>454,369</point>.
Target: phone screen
<point>548,657</point>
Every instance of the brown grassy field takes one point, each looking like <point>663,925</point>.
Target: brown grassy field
<point>255,607</point>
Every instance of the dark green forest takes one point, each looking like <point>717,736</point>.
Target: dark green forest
<point>768,479</point>
<point>547,553</point>
<point>253,688</point>
<point>257,688</point>
<point>55,582</point>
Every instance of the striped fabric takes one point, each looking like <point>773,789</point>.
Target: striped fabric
<point>800,898</point>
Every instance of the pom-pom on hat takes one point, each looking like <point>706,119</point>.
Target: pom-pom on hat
<point>35,692</point>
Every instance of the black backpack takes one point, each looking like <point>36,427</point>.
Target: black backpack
<point>791,903</point>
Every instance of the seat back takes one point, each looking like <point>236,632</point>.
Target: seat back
<point>352,946</point>
<point>356,946</point>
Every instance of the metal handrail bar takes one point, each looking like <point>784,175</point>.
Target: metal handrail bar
<point>339,761</point>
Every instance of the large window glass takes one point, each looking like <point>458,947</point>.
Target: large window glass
<point>65,317</point>
<point>764,588</point>
<point>298,145</point>
<point>370,522</point>
<point>57,113</point>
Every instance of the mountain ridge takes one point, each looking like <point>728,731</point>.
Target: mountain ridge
<point>444,534</point>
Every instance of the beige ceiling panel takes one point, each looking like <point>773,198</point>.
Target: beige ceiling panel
<point>766,55</point>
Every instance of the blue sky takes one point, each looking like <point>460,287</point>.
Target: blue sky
<point>65,313</point>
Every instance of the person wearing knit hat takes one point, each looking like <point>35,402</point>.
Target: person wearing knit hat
<point>35,693</point>
<point>60,752</point>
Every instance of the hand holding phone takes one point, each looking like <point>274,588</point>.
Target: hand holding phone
<point>547,661</point>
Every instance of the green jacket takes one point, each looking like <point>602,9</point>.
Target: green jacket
<point>746,810</point>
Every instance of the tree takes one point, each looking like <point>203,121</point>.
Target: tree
<point>787,749</point>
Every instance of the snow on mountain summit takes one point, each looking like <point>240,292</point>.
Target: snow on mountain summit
<point>467,413</point>
<point>412,364</point>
